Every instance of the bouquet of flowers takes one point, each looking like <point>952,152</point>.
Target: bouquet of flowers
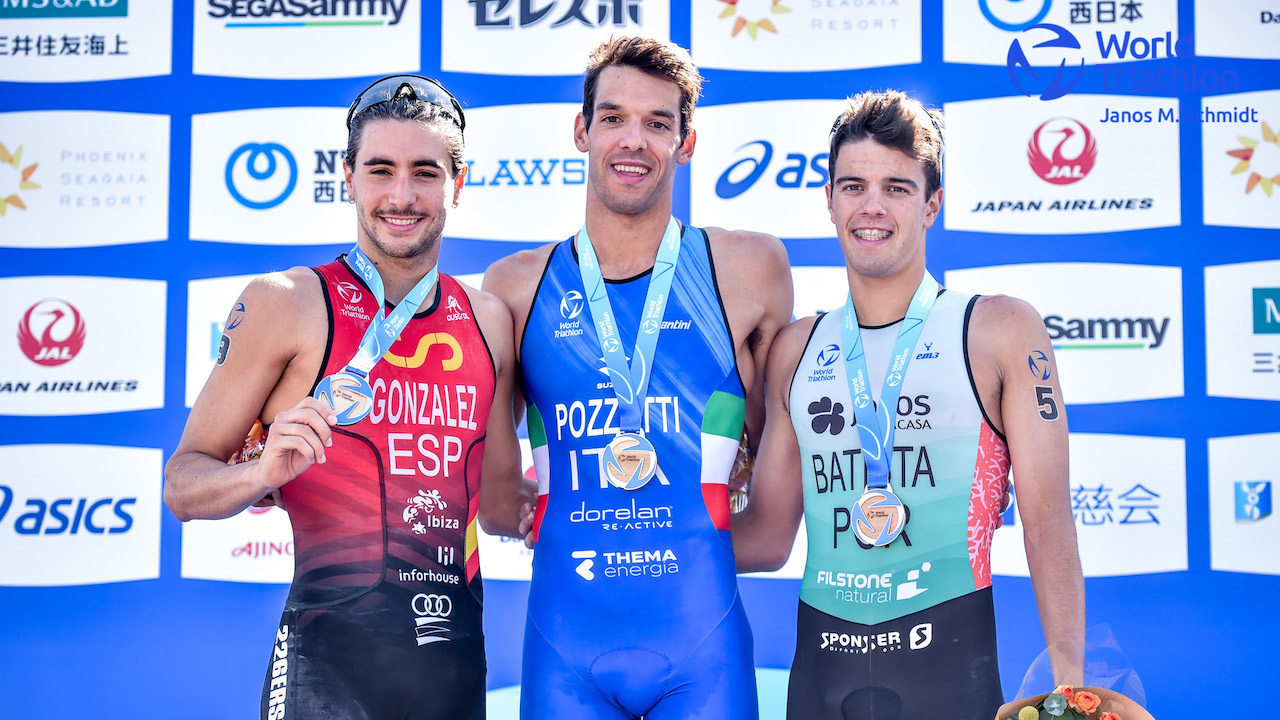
<point>1067,703</point>
<point>1111,689</point>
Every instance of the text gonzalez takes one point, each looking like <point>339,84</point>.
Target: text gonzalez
<point>435,405</point>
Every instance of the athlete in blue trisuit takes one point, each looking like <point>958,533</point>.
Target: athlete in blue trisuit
<point>893,425</point>
<point>642,344</point>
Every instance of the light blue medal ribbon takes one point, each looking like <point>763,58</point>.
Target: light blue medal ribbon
<point>348,391</point>
<point>879,516</point>
<point>629,461</point>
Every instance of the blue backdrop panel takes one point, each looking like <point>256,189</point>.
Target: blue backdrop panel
<point>158,645</point>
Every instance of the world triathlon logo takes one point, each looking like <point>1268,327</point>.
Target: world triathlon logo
<point>14,160</point>
<point>1026,78</point>
<point>571,305</point>
<point>753,27</point>
<point>1062,151</point>
<point>828,355</point>
<point>1039,363</point>
<point>1253,151</point>
<point>256,175</point>
<point>51,332</point>
<point>349,292</point>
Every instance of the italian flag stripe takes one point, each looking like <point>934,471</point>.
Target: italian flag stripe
<point>537,433</point>
<point>725,415</point>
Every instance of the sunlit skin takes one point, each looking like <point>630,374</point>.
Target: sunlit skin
<point>878,203</point>
<point>401,185</point>
<point>634,144</point>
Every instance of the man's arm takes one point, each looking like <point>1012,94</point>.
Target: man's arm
<point>503,490</point>
<point>261,346</point>
<point>1034,420</point>
<point>514,280</point>
<point>754,277</point>
<point>764,532</point>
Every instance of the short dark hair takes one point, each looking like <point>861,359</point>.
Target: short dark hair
<point>897,121</point>
<point>663,60</point>
<point>407,109</point>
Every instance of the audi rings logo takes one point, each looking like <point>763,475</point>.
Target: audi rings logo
<point>433,611</point>
<point>439,606</point>
<point>255,177</point>
<point>571,305</point>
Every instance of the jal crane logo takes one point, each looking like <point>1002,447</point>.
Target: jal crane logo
<point>51,332</point>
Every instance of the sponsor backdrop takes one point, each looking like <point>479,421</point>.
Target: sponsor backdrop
<point>1114,162</point>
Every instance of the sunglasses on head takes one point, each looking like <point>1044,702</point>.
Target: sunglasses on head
<point>415,87</point>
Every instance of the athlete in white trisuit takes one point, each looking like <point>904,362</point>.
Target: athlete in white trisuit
<point>895,615</point>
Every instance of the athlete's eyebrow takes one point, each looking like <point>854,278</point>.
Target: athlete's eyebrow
<point>892,181</point>
<point>420,162</point>
<point>605,106</point>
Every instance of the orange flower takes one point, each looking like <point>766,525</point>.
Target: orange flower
<point>1085,702</point>
<point>1065,691</point>
<point>1108,716</point>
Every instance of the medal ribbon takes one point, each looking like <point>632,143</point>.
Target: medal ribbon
<point>876,433</point>
<point>384,329</point>
<point>630,383</point>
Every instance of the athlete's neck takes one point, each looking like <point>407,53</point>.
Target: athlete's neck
<point>400,275</point>
<point>626,245</point>
<point>883,300</point>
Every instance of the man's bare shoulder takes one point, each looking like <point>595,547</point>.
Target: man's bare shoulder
<point>792,339</point>
<point>523,265</point>
<point>746,248</point>
<point>481,300</point>
<point>289,294</point>
<point>1002,325</point>
<point>515,276</point>
<point>490,309</point>
<point>753,271</point>
<point>1005,315</point>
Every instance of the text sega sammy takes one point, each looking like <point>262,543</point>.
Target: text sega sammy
<point>436,405</point>
<point>268,9</point>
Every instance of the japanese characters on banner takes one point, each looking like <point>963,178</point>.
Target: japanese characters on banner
<point>1126,491</point>
<point>59,41</point>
